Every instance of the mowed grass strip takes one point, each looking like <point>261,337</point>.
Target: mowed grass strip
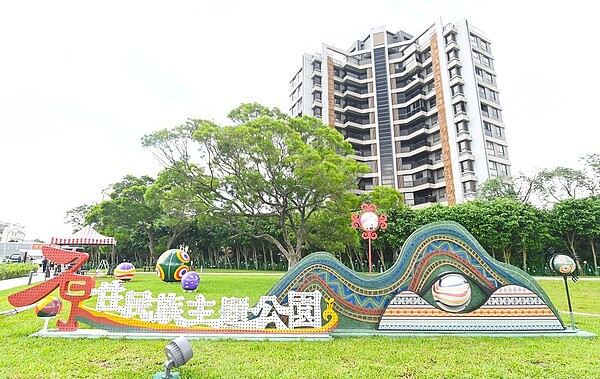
<point>23,357</point>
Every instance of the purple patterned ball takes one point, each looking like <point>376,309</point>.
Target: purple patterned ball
<point>190,281</point>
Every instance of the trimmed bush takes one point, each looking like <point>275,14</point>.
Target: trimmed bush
<point>16,270</point>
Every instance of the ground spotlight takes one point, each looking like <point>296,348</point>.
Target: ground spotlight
<point>179,352</point>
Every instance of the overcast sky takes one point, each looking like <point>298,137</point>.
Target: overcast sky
<point>81,82</point>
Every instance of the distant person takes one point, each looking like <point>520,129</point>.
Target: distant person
<point>44,264</point>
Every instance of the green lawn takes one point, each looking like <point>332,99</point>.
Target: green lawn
<point>374,357</point>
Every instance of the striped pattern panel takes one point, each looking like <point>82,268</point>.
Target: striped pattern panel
<point>510,308</point>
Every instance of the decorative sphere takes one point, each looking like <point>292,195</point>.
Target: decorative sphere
<point>563,264</point>
<point>452,292</point>
<point>171,266</point>
<point>190,281</point>
<point>369,221</point>
<point>124,271</point>
<point>48,307</point>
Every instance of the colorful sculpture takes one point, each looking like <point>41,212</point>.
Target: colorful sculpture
<point>443,281</point>
<point>190,281</point>
<point>423,290</point>
<point>171,266</point>
<point>124,271</point>
<point>48,307</point>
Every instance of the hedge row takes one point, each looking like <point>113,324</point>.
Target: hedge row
<point>16,270</point>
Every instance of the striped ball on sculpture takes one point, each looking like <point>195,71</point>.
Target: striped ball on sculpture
<point>48,307</point>
<point>124,271</point>
<point>452,293</point>
<point>172,265</point>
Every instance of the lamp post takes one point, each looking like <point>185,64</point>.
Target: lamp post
<point>565,265</point>
<point>369,222</point>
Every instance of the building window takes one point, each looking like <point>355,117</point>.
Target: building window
<point>460,107</point>
<point>438,156</point>
<point>464,147</point>
<point>457,90</point>
<point>483,45</point>
<point>501,150</point>
<point>490,147</point>
<point>503,169</point>
<point>455,71</point>
<point>461,127</point>
<point>493,95</point>
<point>469,187</point>
<point>499,132</point>
<point>477,58</point>
<point>481,92</point>
<point>432,103</point>
<point>466,167</point>
<point>493,168</point>
<point>317,111</point>
<point>487,128</point>
<point>440,173</point>
<point>496,113</point>
<point>479,73</point>
<point>317,95</point>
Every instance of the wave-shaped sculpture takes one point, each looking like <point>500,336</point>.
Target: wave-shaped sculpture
<point>443,280</point>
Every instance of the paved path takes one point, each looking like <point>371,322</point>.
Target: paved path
<point>17,282</point>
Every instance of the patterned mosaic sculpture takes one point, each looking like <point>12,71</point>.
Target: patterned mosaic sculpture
<point>443,280</point>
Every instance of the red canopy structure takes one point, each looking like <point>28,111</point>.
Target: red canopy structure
<point>86,236</point>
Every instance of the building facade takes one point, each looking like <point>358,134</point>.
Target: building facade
<point>423,111</point>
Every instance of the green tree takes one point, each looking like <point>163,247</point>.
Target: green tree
<point>575,219</point>
<point>561,183</point>
<point>269,166</point>
<point>126,212</point>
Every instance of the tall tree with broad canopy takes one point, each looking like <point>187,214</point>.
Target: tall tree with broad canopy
<point>267,166</point>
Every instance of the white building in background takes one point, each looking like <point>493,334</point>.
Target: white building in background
<point>422,111</point>
<point>11,239</point>
<point>11,232</point>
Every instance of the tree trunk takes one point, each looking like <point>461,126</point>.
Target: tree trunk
<point>572,249</point>
<point>381,256</point>
<point>272,261</point>
<point>506,255</point>
<point>594,256</point>
<point>524,259</point>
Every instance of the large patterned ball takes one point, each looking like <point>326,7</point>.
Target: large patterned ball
<point>48,307</point>
<point>124,271</point>
<point>171,266</point>
<point>452,292</point>
<point>563,264</point>
<point>190,281</point>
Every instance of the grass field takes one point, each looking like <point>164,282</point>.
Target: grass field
<point>23,357</point>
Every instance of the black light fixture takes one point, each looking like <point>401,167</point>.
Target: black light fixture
<point>179,352</point>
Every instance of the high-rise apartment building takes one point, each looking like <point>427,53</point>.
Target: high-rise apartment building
<point>423,111</point>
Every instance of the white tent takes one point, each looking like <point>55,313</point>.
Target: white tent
<point>86,236</point>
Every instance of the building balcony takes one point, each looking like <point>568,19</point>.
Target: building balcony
<point>425,199</point>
